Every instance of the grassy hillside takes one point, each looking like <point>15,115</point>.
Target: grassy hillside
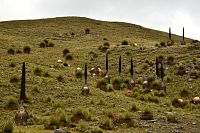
<point>49,98</point>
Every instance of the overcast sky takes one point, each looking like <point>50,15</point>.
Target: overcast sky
<point>155,14</point>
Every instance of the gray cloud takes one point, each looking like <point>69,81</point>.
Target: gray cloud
<point>156,14</point>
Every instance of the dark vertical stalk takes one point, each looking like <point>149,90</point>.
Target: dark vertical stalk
<point>162,71</point>
<point>85,74</point>
<point>170,35</point>
<point>107,62</point>
<point>131,67</point>
<point>183,33</point>
<point>120,67</point>
<point>157,67</point>
<point>23,82</point>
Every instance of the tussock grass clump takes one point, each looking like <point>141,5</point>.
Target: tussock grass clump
<point>60,78</point>
<point>178,102</point>
<point>183,43</point>
<point>42,45</point>
<point>134,107</point>
<point>153,99</point>
<point>107,124</point>
<point>125,42</point>
<point>79,73</point>
<point>8,127</point>
<point>170,42</point>
<point>104,47</point>
<point>116,82</point>
<point>14,79</point>
<point>125,120</point>
<point>12,64</point>
<point>38,71</point>
<point>181,70</point>
<point>65,52</point>
<point>184,93</point>
<point>18,51</point>
<point>57,120</point>
<point>11,51</point>
<point>46,74</point>
<point>147,115</point>
<point>162,44</point>
<point>79,114</point>
<point>102,84</point>
<point>160,93</point>
<point>170,60</point>
<point>171,118</point>
<point>52,123</point>
<point>27,50</point>
<point>96,130</point>
<point>155,85</point>
<point>194,74</point>
<point>168,79</point>
<point>51,44</point>
<point>68,57</point>
<point>45,43</point>
<point>12,103</point>
<point>87,31</point>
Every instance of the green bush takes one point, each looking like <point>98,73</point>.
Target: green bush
<point>27,50</point>
<point>155,85</point>
<point>11,51</point>
<point>162,44</point>
<point>8,127</point>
